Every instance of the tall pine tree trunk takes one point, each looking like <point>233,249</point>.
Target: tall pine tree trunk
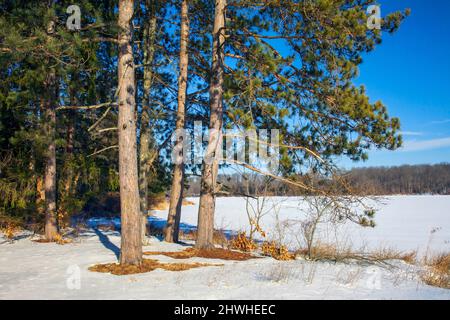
<point>70,140</point>
<point>131,242</point>
<point>176,196</point>
<point>145,158</point>
<point>51,225</point>
<point>210,162</point>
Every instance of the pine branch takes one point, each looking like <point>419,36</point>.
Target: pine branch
<point>96,106</point>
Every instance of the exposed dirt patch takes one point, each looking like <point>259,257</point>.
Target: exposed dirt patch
<point>216,253</point>
<point>147,265</point>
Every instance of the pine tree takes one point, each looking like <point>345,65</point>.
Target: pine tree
<point>131,240</point>
<point>146,155</point>
<point>176,196</point>
<point>211,162</point>
<point>308,95</point>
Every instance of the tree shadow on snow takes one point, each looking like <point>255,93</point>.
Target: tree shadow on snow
<point>107,243</point>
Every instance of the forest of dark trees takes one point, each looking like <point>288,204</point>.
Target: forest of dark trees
<point>418,179</point>
<point>399,180</point>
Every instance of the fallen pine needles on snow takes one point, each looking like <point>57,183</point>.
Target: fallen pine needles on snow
<point>216,253</point>
<point>147,265</point>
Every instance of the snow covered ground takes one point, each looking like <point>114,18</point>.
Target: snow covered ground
<point>30,270</point>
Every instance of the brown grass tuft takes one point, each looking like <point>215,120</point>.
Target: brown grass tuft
<point>147,265</point>
<point>215,253</point>
<point>278,252</point>
<point>438,272</point>
<point>58,240</point>
<point>242,243</point>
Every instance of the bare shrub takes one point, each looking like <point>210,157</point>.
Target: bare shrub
<point>386,253</point>
<point>308,272</point>
<point>327,210</point>
<point>326,252</point>
<point>280,272</point>
<point>345,254</point>
<point>349,277</point>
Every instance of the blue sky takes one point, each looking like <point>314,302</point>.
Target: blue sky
<point>410,73</point>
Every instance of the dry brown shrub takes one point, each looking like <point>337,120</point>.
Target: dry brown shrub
<point>331,252</point>
<point>242,243</point>
<point>106,227</point>
<point>322,251</point>
<point>438,270</point>
<point>10,231</point>
<point>161,202</point>
<point>188,235</point>
<point>219,237</point>
<point>58,240</point>
<point>186,202</point>
<point>278,252</point>
<point>384,254</point>
<point>215,253</point>
<point>147,265</point>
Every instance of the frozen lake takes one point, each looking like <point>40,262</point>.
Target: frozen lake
<point>403,222</point>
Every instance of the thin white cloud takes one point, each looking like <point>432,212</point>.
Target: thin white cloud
<point>410,146</point>
<point>440,121</point>
<point>411,133</point>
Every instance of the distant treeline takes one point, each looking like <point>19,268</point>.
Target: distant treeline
<point>418,179</point>
<point>406,179</point>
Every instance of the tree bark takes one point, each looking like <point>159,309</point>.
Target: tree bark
<point>176,197</point>
<point>70,140</point>
<point>51,225</point>
<point>210,163</point>
<point>145,159</point>
<point>131,242</point>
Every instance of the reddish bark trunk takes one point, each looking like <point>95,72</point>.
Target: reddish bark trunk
<point>131,242</point>
<point>210,163</point>
<point>51,225</point>
<point>176,196</point>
